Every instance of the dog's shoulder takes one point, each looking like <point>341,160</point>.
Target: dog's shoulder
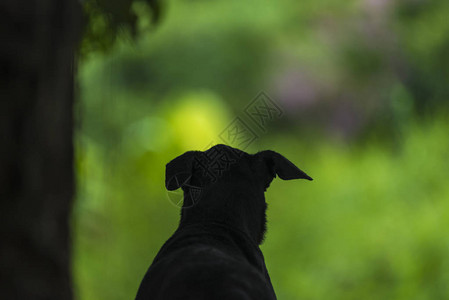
<point>204,261</point>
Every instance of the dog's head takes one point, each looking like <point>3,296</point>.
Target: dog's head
<point>224,184</point>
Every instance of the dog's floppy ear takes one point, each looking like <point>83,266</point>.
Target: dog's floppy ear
<point>281,166</point>
<point>179,170</point>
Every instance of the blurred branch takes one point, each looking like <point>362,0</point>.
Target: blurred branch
<point>106,20</point>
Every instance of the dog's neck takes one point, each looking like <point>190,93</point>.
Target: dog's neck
<point>242,211</point>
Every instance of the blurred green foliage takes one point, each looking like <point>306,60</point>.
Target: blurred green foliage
<point>105,21</point>
<point>363,86</point>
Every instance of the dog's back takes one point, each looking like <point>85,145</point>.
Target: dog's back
<point>207,262</point>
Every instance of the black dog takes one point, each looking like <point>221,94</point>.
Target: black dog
<point>214,253</point>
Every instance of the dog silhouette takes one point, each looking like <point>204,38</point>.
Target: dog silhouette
<point>214,253</point>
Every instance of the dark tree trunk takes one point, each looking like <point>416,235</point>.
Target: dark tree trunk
<point>38,39</point>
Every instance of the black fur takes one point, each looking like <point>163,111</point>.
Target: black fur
<point>214,253</point>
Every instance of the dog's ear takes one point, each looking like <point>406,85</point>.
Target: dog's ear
<point>281,166</point>
<point>179,170</point>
